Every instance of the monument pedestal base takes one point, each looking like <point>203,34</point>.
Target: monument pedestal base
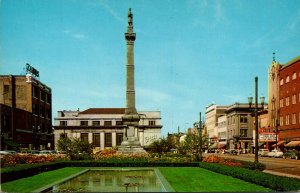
<point>131,145</point>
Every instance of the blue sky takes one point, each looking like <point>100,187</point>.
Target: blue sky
<point>188,53</point>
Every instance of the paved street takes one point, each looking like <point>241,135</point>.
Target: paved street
<point>278,166</point>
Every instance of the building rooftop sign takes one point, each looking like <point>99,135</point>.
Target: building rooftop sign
<point>31,70</point>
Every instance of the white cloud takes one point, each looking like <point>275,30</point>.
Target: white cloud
<point>74,35</point>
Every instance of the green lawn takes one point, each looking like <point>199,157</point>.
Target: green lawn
<point>193,179</point>
<point>38,181</point>
<point>182,179</point>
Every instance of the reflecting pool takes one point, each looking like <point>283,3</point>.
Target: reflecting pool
<point>112,181</point>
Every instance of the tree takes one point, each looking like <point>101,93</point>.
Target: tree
<point>159,146</point>
<point>75,148</point>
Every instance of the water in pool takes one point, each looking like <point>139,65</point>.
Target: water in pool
<point>112,181</point>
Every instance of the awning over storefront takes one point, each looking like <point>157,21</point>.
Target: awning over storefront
<point>280,143</point>
<point>261,143</point>
<point>213,146</point>
<point>293,144</point>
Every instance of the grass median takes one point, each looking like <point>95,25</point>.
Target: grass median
<point>182,179</point>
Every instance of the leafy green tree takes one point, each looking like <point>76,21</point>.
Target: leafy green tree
<point>160,146</point>
<point>75,148</point>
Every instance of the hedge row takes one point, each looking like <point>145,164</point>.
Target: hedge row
<point>26,170</point>
<point>278,183</point>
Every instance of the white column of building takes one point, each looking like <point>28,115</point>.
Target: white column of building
<point>101,140</point>
<point>90,137</point>
<point>141,137</point>
<point>114,139</point>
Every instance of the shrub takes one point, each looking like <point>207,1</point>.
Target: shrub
<point>233,162</point>
<point>273,182</point>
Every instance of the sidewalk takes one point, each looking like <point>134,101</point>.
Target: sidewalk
<point>281,174</point>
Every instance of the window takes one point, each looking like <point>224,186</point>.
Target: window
<point>43,96</point>
<point>287,119</point>
<point>63,135</point>
<point>96,123</point>
<point>281,121</point>
<point>281,81</point>
<point>96,139</point>
<point>119,123</point>
<point>287,79</point>
<point>107,123</point>
<point>243,119</point>
<point>6,89</point>
<point>287,101</point>
<point>35,92</point>
<point>48,98</point>
<point>83,123</point>
<point>243,132</point>
<point>151,123</point>
<point>294,118</point>
<point>63,123</point>
<point>281,103</point>
<point>294,99</point>
<point>119,138</point>
<point>84,137</point>
<point>108,140</point>
<point>294,76</point>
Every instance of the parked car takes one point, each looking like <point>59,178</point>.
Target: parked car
<point>263,152</point>
<point>233,152</point>
<point>34,152</point>
<point>292,154</point>
<point>275,153</point>
<point>48,152</point>
<point>5,152</point>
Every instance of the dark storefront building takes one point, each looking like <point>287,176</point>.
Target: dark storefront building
<point>25,113</point>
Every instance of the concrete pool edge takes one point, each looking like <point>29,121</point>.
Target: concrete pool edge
<point>60,181</point>
<point>167,187</point>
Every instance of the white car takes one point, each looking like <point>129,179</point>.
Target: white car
<point>275,153</point>
<point>263,152</point>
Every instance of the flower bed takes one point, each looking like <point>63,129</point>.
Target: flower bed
<point>13,159</point>
<point>110,155</point>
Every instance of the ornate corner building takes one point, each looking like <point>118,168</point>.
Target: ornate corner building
<point>284,102</point>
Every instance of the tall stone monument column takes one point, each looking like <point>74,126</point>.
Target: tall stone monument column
<point>131,118</point>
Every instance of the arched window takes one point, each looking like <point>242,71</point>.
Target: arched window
<point>281,81</point>
<point>294,76</point>
<point>287,79</point>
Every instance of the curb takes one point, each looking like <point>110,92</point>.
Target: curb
<point>282,174</point>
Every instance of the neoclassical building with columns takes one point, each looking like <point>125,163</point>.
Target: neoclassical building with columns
<point>103,127</point>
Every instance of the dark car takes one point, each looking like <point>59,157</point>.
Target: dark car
<point>292,154</point>
<point>233,152</point>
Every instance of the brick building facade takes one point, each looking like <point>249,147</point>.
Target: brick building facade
<point>25,113</point>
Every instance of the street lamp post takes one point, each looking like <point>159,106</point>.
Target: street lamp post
<point>256,108</point>
<point>199,128</point>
